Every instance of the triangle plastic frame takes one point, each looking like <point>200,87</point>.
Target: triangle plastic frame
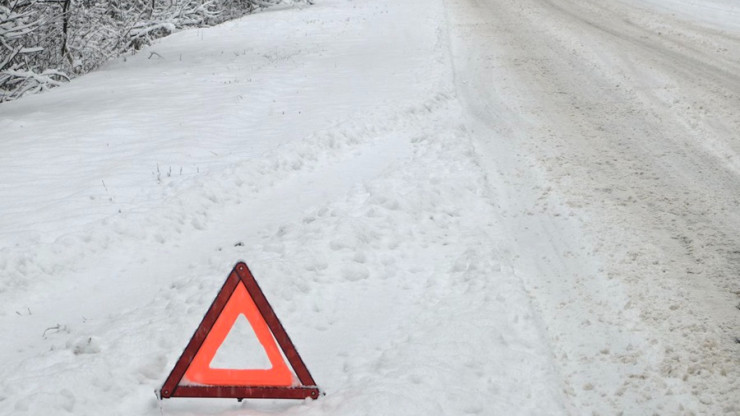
<point>307,387</point>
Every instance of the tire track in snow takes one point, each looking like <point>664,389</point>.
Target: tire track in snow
<point>188,203</point>
<point>627,210</point>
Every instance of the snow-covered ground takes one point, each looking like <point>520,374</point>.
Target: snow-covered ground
<point>454,206</point>
<point>616,130</point>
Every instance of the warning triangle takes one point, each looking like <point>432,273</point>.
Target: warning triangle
<point>200,370</point>
<point>193,375</point>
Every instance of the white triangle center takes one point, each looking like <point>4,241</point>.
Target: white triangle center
<point>241,350</point>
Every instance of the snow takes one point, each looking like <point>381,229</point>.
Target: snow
<point>621,163</point>
<point>454,207</point>
<point>713,14</point>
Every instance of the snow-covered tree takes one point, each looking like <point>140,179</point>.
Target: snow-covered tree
<point>27,40</point>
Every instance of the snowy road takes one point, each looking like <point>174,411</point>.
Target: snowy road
<point>455,207</point>
<point>615,128</point>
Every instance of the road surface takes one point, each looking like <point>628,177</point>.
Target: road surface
<point>614,127</point>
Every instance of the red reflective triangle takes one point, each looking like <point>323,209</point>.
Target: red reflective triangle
<point>192,375</point>
<point>200,371</point>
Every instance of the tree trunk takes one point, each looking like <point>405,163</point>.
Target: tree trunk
<point>65,29</point>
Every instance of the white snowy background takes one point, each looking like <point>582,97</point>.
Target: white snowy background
<point>454,206</point>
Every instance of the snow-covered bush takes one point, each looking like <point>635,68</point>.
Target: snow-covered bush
<point>44,42</point>
<point>28,36</point>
